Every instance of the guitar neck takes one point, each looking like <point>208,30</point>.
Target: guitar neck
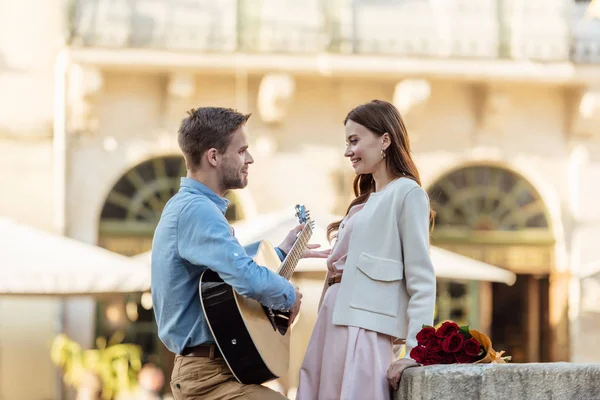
<point>289,264</point>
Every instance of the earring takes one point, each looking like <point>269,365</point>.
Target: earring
<point>383,153</point>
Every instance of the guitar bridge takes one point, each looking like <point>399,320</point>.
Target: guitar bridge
<point>280,320</point>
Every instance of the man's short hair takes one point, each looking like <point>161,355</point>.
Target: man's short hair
<point>205,128</point>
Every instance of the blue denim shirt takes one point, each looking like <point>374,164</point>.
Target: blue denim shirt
<point>193,235</point>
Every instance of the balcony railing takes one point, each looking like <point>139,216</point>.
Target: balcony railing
<point>544,30</point>
<point>585,33</point>
<point>162,24</point>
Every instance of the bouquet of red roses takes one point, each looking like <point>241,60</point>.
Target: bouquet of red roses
<point>453,344</point>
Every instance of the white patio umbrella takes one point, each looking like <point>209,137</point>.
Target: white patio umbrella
<point>35,262</point>
<point>455,266</point>
<point>275,226</point>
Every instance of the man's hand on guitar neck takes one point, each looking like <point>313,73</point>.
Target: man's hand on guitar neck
<point>309,252</point>
<point>296,307</point>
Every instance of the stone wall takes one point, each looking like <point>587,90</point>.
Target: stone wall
<point>502,381</point>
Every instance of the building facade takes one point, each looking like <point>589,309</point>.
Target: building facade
<point>500,100</point>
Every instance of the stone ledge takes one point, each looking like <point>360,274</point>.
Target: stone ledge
<point>534,381</point>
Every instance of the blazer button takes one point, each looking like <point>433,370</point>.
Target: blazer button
<point>178,386</point>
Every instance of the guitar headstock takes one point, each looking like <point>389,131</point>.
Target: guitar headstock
<point>303,215</point>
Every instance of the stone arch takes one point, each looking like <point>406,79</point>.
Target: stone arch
<point>494,214</point>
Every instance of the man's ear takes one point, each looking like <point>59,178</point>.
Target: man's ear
<point>211,156</point>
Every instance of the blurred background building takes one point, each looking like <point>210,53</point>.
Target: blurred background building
<point>501,99</point>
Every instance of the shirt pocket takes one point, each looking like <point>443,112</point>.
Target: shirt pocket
<point>377,285</point>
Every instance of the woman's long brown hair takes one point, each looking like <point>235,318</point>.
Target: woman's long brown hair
<point>380,117</point>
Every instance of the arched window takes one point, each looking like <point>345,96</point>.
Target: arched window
<point>477,199</point>
<point>134,205</point>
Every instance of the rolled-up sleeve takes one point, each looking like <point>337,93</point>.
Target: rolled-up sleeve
<point>419,274</point>
<point>205,239</point>
<point>252,250</point>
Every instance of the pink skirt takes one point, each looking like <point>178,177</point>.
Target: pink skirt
<point>344,362</point>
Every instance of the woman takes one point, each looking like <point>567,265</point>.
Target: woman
<point>380,286</point>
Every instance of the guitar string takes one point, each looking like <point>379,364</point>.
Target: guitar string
<point>293,257</point>
<point>296,256</point>
<point>296,253</point>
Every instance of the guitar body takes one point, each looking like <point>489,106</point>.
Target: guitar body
<point>256,347</point>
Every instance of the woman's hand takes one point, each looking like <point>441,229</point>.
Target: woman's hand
<point>394,372</point>
<point>309,252</point>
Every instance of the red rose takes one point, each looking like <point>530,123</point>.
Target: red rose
<point>447,329</point>
<point>448,358</point>
<point>472,347</point>
<point>425,334</point>
<point>463,358</point>
<point>452,343</point>
<point>432,359</point>
<point>418,354</point>
<point>434,345</point>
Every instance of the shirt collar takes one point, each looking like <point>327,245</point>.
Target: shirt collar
<point>195,186</point>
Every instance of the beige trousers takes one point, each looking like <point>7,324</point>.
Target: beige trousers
<point>202,378</point>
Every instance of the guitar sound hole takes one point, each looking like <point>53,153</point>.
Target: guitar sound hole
<point>279,319</point>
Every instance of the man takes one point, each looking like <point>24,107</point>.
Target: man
<point>193,235</point>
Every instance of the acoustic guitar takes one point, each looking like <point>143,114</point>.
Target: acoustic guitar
<point>254,340</point>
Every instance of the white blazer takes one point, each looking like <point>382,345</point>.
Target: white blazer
<point>389,282</point>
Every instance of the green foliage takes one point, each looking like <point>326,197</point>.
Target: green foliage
<point>464,330</point>
<point>116,364</point>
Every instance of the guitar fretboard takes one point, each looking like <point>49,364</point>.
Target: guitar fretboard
<point>289,264</point>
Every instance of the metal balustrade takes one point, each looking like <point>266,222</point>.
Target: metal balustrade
<point>542,30</point>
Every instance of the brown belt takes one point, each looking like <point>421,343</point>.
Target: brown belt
<point>334,280</point>
<point>204,350</point>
